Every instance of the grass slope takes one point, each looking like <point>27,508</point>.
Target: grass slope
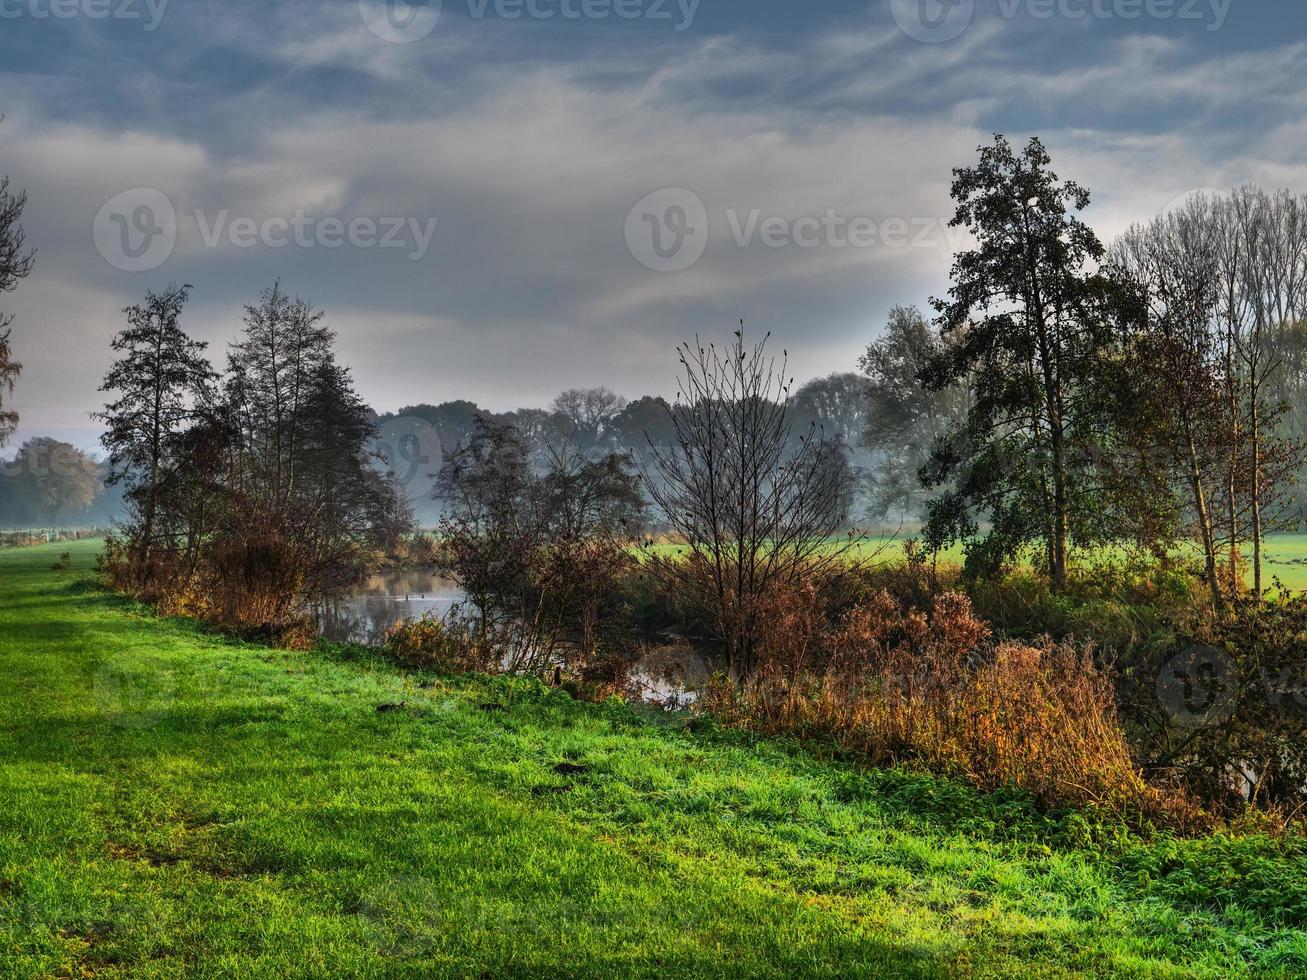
<point>173,804</point>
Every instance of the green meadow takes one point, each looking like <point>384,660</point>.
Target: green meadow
<point>176,804</point>
<point>1285,555</point>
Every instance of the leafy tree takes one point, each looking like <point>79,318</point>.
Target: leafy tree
<point>160,383</point>
<point>15,265</point>
<point>1024,326</point>
<point>58,479</point>
<point>302,469</point>
<point>271,376</point>
<point>541,553</point>
<point>453,421</point>
<point>904,420</point>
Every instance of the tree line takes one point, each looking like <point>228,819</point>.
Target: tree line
<point>246,490</point>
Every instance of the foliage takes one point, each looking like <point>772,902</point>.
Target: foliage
<point>902,685</point>
<point>49,481</point>
<point>252,499</point>
<point>905,419</point>
<point>1024,327</point>
<point>432,643</point>
<point>541,552</point>
<point>1230,712</point>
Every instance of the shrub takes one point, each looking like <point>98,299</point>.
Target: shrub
<point>431,643</point>
<point>1225,706</point>
<point>898,684</point>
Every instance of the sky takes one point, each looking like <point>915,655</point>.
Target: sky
<point>500,199</point>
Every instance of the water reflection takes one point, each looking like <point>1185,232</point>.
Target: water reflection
<point>364,615</point>
<point>671,672</point>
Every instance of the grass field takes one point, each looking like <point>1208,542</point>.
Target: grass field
<point>1285,554</point>
<point>173,804</point>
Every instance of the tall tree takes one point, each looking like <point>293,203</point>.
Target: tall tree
<point>1178,424</point>
<point>302,466</point>
<point>15,265</point>
<point>1023,313</point>
<point>159,384</point>
<point>272,370</point>
<point>1272,230</point>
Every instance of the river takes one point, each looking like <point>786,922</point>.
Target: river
<point>668,674</point>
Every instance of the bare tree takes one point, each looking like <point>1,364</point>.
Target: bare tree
<point>1272,232</point>
<point>15,265</point>
<point>589,409</point>
<point>1173,262</point>
<point>1221,282</point>
<point>754,506</point>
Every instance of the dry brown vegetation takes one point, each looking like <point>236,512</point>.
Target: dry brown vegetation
<point>932,688</point>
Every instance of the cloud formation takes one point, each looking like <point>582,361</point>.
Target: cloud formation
<point>529,144</point>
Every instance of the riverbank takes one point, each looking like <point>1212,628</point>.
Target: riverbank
<point>176,804</point>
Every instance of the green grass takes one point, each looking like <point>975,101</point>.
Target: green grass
<point>1285,555</point>
<point>173,804</point>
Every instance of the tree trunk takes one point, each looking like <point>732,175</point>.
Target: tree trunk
<point>1204,521</point>
<point>1255,493</point>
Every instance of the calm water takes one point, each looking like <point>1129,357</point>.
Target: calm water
<point>669,674</point>
<point>364,615</point>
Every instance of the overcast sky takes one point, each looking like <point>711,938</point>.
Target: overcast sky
<point>472,189</point>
